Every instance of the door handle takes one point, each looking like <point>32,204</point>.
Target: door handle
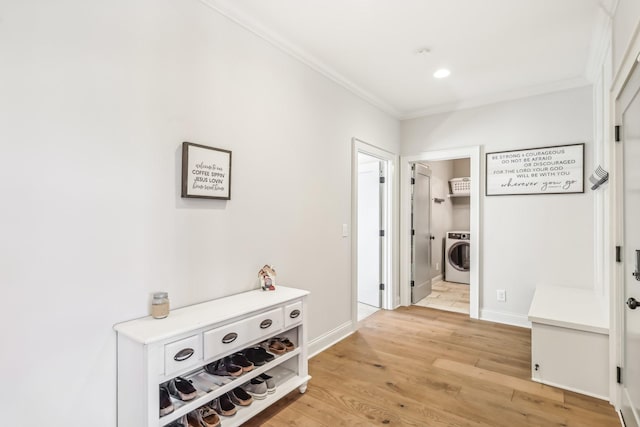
<point>632,303</point>
<point>636,273</point>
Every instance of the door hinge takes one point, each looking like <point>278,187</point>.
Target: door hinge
<point>413,283</point>
<point>413,181</point>
<point>381,233</point>
<point>618,256</point>
<point>413,232</point>
<point>382,286</point>
<point>617,133</point>
<point>382,180</point>
<point>618,374</point>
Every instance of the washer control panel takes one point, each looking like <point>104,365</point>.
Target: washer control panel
<point>458,236</point>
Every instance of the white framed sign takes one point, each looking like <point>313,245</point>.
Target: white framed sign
<point>206,172</point>
<point>546,170</point>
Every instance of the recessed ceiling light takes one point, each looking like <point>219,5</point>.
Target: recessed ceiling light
<point>441,73</point>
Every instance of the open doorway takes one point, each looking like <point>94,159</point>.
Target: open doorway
<point>440,234</point>
<point>466,254</point>
<point>373,224</point>
<point>371,227</point>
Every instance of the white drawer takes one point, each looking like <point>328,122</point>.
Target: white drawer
<point>238,335</point>
<point>225,339</point>
<point>266,324</point>
<point>292,314</point>
<point>182,354</point>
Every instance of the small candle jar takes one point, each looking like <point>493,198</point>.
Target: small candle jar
<point>160,305</point>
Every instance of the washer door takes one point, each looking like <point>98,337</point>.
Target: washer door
<point>459,256</point>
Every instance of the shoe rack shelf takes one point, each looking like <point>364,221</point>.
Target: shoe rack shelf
<point>151,352</point>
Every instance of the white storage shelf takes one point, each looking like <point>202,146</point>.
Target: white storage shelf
<point>206,332</point>
<point>570,340</point>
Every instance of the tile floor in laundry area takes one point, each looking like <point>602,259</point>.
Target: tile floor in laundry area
<point>447,296</point>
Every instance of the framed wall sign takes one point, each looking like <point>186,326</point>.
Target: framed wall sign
<point>546,170</point>
<point>206,172</point>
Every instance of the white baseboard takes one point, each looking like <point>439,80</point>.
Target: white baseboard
<point>506,318</point>
<point>325,341</point>
<point>437,278</point>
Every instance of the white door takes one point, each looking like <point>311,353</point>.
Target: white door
<point>369,219</point>
<point>629,106</point>
<point>420,233</point>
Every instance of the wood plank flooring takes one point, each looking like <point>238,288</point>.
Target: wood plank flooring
<point>417,366</point>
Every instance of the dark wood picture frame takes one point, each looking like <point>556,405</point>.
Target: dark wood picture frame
<point>534,176</point>
<point>206,172</point>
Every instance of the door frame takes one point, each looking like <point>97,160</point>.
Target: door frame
<point>390,298</point>
<point>617,292</point>
<point>620,77</point>
<point>474,154</point>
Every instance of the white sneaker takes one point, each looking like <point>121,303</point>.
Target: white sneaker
<point>256,388</point>
<point>269,381</point>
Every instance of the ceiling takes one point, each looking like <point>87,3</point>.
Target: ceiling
<point>495,49</point>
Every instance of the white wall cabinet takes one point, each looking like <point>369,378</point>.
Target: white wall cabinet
<point>154,351</point>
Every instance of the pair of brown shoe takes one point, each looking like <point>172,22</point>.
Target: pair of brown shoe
<point>280,345</point>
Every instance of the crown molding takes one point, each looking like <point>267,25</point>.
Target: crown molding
<point>226,9</point>
<point>511,95</point>
<point>598,52</point>
<point>601,40</point>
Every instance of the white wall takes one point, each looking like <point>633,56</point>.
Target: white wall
<point>461,206</point>
<point>95,100</point>
<point>528,240</point>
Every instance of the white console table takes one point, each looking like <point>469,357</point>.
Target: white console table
<point>151,352</point>
<point>570,340</point>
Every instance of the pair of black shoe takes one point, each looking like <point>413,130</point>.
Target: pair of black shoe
<point>238,363</point>
<point>234,365</point>
<point>226,404</point>
<point>258,355</point>
<point>179,388</point>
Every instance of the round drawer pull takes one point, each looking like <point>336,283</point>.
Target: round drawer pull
<point>183,354</point>
<point>230,337</point>
<point>294,314</point>
<point>266,323</point>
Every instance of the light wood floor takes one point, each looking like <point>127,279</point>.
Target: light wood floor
<point>417,366</point>
<point>447,296</point>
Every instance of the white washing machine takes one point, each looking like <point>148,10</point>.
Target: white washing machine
<point>457,257</point>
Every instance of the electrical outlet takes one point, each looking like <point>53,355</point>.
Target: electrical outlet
<point>437,266</point>
<point>501,295</point>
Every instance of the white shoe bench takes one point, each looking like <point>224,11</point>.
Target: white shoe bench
<point>570,340</point>
<point>153,351</point>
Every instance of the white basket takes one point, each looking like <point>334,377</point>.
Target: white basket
<point>459,186</point>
